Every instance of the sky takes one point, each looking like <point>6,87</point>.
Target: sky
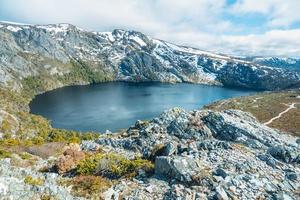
<point>236,27</point>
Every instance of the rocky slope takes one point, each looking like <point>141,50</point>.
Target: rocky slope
<point>201,154</point>
<point>63,54</point>
<point>276,109</point>
<point>282,62</point>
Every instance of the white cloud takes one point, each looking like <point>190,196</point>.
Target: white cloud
<point>271,43</point>
<point>198,23</point>
<point>278,12</point>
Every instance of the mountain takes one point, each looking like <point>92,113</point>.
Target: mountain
<point>281,62</point>
<point>51,56</point>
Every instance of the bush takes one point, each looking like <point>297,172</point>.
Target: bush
<point>4,154</point>
<point>89,186</point>
<point>33,181</point>
<point>25,156</point>
<point>113,165</point>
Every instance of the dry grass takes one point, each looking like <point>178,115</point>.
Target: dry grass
<point>265,106</point>
<point>90,187</point>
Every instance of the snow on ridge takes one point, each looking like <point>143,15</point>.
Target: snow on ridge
<point>13,28</point>
<point>137,40</point>
<point>195,51</point>
<point>55,28</point>
<point>108,35</point>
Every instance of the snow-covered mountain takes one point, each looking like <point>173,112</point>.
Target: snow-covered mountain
<point>281,62</point>
<point>63,54</point>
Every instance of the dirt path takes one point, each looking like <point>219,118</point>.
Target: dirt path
<point>291,106</point>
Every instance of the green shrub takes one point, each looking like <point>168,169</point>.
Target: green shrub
<point>113,165</point>
<point>25,156</point>
<point>4,154</point>
<point>89,186</point>
<point>33,181</point>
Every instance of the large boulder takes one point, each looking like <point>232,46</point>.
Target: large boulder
<point>69,160</point>
<point>180,168</point>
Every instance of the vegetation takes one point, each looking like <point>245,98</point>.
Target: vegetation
<point>266,106</point>
<point>4,154</point>
<point>113,165</point>
<point>33,181</point>
<point>89,186</point>
<point>25,156</point>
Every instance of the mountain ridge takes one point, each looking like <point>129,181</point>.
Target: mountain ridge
<point>48,50</point>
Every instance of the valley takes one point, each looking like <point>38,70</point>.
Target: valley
<point>237,148</point>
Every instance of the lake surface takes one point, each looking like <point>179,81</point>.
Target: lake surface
<point>117,105</point>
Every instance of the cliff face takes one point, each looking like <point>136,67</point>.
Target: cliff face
<point>63,54</point>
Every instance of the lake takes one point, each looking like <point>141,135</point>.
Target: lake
<point>116,105</point>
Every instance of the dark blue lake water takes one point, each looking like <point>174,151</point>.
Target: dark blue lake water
<point>118,105</point>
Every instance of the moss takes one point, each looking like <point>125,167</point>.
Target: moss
<point>113,165</point>
<point>33,181</point>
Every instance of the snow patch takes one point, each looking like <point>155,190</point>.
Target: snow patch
<point>55,28</point>
<point>138,40</point>
<point>13,28</point>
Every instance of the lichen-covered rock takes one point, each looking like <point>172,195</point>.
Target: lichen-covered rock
<point>180,168</point>
<point>70,158</point>
<point>13,185</point>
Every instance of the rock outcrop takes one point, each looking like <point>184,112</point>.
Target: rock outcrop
<point>211,155</point>
<point>202,154</point>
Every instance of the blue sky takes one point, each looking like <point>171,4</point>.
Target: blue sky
<point>239,27</point>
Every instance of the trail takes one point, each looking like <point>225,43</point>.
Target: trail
<point>291,106</point>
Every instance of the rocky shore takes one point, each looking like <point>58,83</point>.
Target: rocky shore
<point>202,154</point>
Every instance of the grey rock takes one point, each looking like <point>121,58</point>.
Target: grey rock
<point>181,168</point>
<point>89,146</point>
<point>221,194</point>
<point>220,172</point>
<point>284,154</point>
<point>291,175</point>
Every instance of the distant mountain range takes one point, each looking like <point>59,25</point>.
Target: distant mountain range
<point>55,55</point>
<point>281,62</point>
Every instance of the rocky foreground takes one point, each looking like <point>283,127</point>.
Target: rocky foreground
<point>201,154</point>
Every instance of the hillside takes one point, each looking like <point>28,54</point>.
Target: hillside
<point>51,56</point>
<point>216,153</point>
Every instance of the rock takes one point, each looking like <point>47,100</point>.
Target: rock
<point>69,159</point>
<point>220,172</point>
<point>89,146</point>
<point>232,189</point>
<point>283,196</point>
<point>221,194</point>
<point>3,189</point>
<point>237,126</point>
<point>180,168</point>
<point>283,154</point>
<point>291,175</point>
